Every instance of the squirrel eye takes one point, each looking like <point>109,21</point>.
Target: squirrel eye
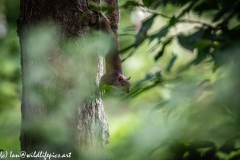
<point>122,84</point>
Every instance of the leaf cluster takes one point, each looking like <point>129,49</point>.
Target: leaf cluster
<point>215,42</point>
<point>206,39</point>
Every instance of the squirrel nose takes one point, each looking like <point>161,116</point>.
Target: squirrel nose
<point>128,90</point>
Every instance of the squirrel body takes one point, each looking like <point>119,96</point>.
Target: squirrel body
<point>114,75</point>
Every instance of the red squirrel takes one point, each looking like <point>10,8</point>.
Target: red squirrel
<point>114,75</point>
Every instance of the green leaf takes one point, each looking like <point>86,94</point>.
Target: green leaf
<point>223,11</point>
<point>201,55</point>
<point>147,24</point>
<point>131,4</point>
<point>142,34</point>
<point>147,78</point>
<point>161,52</point>
<point>188,42</point>
<point>200,144</point>
<point>159,106</point>
<point>141,89</point>
<point>194,154</point>
<point>203,43</point>
<point>173,21</point>
<point>210,154</point>
<point>178,148</point>
<point>156,5</point>
<point>206,6</point>
<point>236,28</point>
<point>171,62</point>
<point>162,144</point>
<point>158,78</point>
<point>187,9</point>
<point>229,145</point>
<point>161,33</point>
<point>147,3</point>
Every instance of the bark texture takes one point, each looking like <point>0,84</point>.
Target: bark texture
<point>61,112</point>
<point>114,16</point>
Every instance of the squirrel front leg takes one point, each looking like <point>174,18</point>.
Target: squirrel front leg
<point>114,75</point>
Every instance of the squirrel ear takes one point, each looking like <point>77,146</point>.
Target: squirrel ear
<point>120,78</point>
<point>129,78</point>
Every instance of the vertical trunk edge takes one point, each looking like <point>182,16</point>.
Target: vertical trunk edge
<point>86,134</point>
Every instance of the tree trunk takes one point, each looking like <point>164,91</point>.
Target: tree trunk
<point>62,113</point>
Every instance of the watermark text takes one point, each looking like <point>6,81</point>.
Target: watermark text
<point>35,154</point>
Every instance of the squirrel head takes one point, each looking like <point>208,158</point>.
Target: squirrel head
<point>124,83</point>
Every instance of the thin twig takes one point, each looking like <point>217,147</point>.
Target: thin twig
<point>197,22</point>
<point>126,34</point>
<point>180,20</point>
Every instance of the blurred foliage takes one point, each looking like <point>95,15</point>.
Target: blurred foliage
<point>184,102</point>
<point>10,84</point>
<point>188,101</point>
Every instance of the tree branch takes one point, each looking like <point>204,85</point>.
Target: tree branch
<point>180,20</point>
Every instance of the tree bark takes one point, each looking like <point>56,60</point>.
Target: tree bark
<point>62,113</point>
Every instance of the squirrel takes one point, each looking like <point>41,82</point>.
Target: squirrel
<point>114,75</point>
